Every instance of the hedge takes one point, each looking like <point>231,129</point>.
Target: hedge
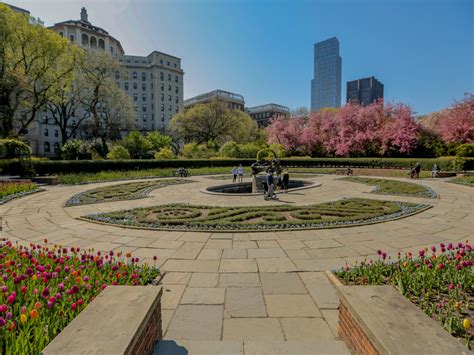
<point>46,167</point>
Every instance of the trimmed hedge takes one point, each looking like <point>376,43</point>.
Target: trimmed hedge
<point>46,167</point>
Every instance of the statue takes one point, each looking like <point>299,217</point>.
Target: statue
<point>263,165</point>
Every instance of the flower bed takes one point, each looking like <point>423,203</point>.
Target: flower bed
<point>129,191</point>
<point>441,284</point>
<point>13,189</point>
<point>342,213</point>
<point>44,287</point>
<point>394,187</point>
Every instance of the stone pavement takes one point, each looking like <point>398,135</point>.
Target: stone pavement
<point>259,292</point>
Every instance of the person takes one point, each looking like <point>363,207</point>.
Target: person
<point>234,174</point>
<point>417,170</point>
<point>269,181</point>
<point>285,180</point>
<point>435,171</point>
<point>277,183</point>
<point>412,173</point>
<point>349,171</point>
<point>240,170</point>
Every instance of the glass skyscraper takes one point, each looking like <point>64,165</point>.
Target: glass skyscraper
<point>326,85</point>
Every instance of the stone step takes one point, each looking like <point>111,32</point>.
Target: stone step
<point>196,347</point>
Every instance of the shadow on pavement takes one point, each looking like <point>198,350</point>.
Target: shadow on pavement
<point>169,347</point>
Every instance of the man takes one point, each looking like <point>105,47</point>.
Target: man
<point>285,180</point>
<point>269,181</point>
<point>240,170</point>
<point>417,170</point>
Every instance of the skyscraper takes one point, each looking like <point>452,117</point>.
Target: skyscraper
<point>326,85</point>
<point>364,91</point>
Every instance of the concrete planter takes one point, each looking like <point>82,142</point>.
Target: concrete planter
<point>379,320</point>
<point>121,320</point>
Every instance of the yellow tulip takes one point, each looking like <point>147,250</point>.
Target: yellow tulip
<point>457,305</point>
<point>466,323</point>
<point>23,318</point>
<point>405,264</point>
<point>34,277</point>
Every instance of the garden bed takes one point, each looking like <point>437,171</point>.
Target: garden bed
<point>44,287</point>
<point>342,213</point>
<point>10,190</point>
<point>440,284</point>
<point>394,187</point>
<point>463,180</point>
<point>120,192</point>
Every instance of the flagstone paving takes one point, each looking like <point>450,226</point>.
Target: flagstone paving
<point>252,293</point>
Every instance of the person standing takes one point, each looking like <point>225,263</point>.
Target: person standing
<point>270,181</point>
<point>435,171</point>
<point>285,180</point>
<point>234,174</point>
<point>240,170</point>
<point>417,170</point>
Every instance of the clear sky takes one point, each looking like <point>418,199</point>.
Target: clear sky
<point>421,50</point>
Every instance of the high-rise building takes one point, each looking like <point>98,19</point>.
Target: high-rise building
<point>154,82</point>
<point>264,113</point>
<point>233,101</point>
<point>326,85</point>
<point>364,91</point>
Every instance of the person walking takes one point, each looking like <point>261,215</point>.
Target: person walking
<point>234,173</point>
<point>417,170</point>
<point>240,171</point>
<point>270,186</point>
<point>285,180</point>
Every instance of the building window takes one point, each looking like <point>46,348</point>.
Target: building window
<point>162,97</point>
<point>56,133</point>
<point>169,97</point>
<point>71,38</point>
<point>177,100</point>
<point>169,87</point>
<point>177,109</point>
<point>162,107</point>
<point>168,63</point>
<point>85,40</point>
<point>46,132</point>
<point>144,117</point>
<point>126,86</point>
<point>169,77</point>
<point>56,147</point>
<point>143,76</point>
<point>143,97</point>
<point>47,147</point>
<point>176,79</point>
<point>143,86</point>
<point>144,108</point>
<point>135,75</point>
<point>126,75</point>
<point>176,90</point>
<point>152,96</point>
<point>161,61</point>
<point>111,49</point>
<point>101,44</point>
<point>170,108</point>
<point>61,34</point>
<point>93,42</point>
<point>135,86</point>
<point>152,86</point>
<point>162,117</point>
<point>175,65</point>
<point>135,97</point>
<point>117,74</point>
<point>162,87</point>
<point>162,75</point>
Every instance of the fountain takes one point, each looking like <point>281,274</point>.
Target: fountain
<point>262,166</point>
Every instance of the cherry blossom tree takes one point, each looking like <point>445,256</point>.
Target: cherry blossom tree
<point>287,132</point>
<point>456,124</point>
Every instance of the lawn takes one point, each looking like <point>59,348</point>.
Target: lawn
<point>463,180</point>
<point>128,191</point>
<point>44,287</point>
<point>346,212</point>
<point>441,284</point>
<point>394,187</point>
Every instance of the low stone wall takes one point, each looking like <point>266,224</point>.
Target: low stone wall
<point>121,320</point>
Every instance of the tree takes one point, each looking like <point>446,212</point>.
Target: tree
<point>287,132</point>
<point>456,124</point>
<point>136,144</point>
<point>158,140</point>
<point>33,62</point>
<point>195,151</point>
<point>118,152</point>
<point>110,108</point>
<point>164,153</point>
<point>213,123</point>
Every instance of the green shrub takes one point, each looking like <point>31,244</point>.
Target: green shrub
<point>194,151</point>
<point>76,150</point>
<point>14,148</point>
<point>137,145</point>
<point>158,141</point>
<point>118,152</point>
<point>164,153</point>
<point>465,150</point>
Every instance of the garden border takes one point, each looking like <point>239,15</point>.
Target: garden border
<point>422,209</point>
<point>20,194</point>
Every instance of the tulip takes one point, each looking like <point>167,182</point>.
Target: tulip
<point>2,322</point>
<point>9,315</point>
<point>74,306</point>
<point>33,314</point>
<point>23,318</point>
<point>37,305</point>
<point>466,323</point>
<point>3,308</point>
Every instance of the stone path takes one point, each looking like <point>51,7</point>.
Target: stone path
<point>252,293</point>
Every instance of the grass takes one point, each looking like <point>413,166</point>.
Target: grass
<point>441,284</point>
<point>394,187</point>
<point>463,180</point>
<point>344,212</point>
<point>128,191</point>
<point>11,188</point>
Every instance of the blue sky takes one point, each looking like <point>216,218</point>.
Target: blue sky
<point>421,50</point>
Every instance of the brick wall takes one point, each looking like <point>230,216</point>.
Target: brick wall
<point>351,333</point>
<point>151,334</point>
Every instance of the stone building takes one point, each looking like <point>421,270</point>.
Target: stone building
<point>233,101</point>
<point>264,113</point>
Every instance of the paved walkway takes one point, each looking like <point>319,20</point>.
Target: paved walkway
<point>262,292</point>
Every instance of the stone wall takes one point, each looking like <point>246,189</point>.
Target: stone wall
<point>151,333</point>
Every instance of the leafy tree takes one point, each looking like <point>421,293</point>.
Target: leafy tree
<point>34,61</point>
<point>76,149</point>
<point>195,151</point>
<point>465,150</point>
<point>213,122</point>
<point>136,144</point>
<point>158,140</point>
<point>165,153</point>
<point>118,152</point>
